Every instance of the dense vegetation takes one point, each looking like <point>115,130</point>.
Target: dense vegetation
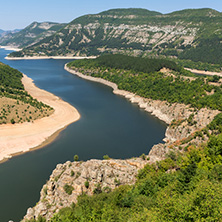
<point>183,187</point>
<point>207,50</point>
<point>199,65</point>
<point>142,77</point>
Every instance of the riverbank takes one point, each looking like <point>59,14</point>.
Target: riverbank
<point>49,57</point>
<point>166,112</point>
<point>202,72</point>
<point>19,138</point>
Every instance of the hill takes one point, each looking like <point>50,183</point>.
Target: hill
<point>191,33</point>
<point>31,34</point>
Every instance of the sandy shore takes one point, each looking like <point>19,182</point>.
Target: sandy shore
<point>202,72</point>
<point>49,57</point>
<point>19,138</point>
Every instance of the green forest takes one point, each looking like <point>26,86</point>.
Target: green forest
<point>183,187</point>
<point>143,77</point>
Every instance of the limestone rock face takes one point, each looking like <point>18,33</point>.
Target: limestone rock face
<point>99,174</point>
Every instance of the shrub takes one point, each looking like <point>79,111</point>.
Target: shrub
<point>68,189</point>
<point>106,157</point>
<point>87,184</point>
<point>76,158</point>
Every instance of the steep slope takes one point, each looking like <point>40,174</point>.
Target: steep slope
<point>140,32</point>
<point>31,34</point>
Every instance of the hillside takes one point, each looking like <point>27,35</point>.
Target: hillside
<point>191,33</point>
<point>16,105</point>
<point>147,78</point>
<point>31,34</point>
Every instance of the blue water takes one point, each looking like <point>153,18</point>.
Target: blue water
<point>109,124</point>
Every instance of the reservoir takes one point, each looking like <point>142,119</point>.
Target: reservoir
<point>109,124</point>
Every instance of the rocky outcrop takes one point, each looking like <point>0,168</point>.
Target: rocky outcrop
<point>83,177</point>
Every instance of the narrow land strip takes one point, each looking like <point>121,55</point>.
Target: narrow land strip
<point>20,138</point>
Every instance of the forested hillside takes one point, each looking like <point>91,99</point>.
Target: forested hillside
<point>188,34</point>
<point>144,78</point>
<point>16,105</point>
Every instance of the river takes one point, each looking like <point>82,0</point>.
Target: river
<point>109,125</point>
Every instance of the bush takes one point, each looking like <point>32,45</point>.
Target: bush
<point>68,189</point>
<point>87,184</point>
<point>76,158</point>
<point>106,157</point>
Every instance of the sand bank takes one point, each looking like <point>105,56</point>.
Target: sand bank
<point>22,137</point>
<point>202,72</point>
<point>49,57</point>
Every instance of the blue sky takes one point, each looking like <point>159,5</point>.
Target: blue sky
<point>20,13</point>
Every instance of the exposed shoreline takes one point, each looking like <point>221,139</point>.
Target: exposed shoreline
<point>49,57</point>
<point>131,96</point>
<point>163,111</point>
<point>16,139</point>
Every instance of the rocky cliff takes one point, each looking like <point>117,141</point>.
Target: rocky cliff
<point>72,179</point>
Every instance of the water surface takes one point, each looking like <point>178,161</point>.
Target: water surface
<point>109,124</point>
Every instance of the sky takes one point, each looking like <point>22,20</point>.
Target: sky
<point>17,14</point>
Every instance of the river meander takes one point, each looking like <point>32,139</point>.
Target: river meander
<point>109,124</point>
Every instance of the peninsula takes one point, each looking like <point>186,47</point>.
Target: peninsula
<point>17,138</point>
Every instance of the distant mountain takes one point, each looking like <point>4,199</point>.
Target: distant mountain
<point>190,33</point>
<point>1,31</point>
<point>31,34</point>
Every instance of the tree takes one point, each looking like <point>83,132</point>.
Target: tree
<point>76,158</point>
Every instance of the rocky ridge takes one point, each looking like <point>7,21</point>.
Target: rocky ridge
<point>83,177</point>
<point>97,175</point>
<point>131,31</point>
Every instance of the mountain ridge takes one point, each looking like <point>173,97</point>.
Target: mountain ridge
<point>31,34</point>
<point>183,34</point>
